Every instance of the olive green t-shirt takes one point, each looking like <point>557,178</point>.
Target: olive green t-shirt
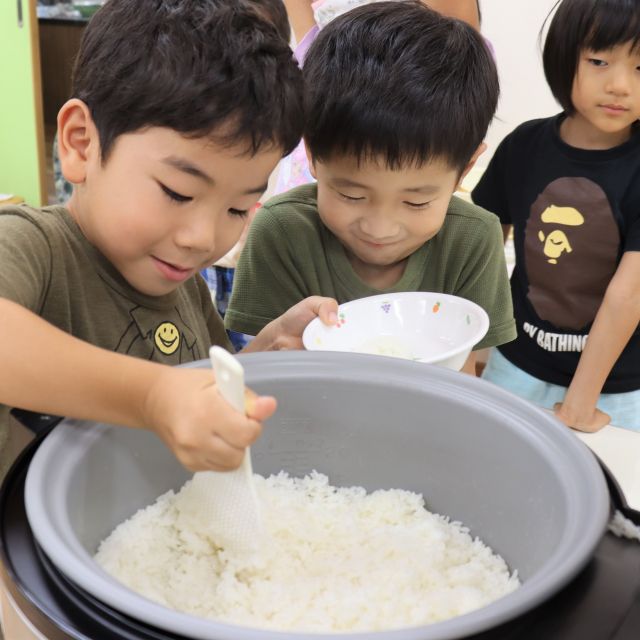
<point>290,255</point>
<point>49,267</point>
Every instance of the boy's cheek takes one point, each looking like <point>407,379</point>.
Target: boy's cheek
<point>231,242</point>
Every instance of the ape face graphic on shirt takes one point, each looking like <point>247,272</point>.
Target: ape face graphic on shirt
<point>571,247</point>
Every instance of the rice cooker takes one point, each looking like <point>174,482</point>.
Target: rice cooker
<point>521,481</point>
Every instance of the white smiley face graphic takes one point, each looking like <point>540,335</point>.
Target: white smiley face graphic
<point>167,338</point>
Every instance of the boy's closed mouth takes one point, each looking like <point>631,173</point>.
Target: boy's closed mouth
<point>173,272</point>
<point>614,108</point>
<point>377,245</point>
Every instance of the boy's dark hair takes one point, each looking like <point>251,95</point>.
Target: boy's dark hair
<point>398,81</point>
<point>215,68</point>
<point>585,24</point>
<point>276,12</point>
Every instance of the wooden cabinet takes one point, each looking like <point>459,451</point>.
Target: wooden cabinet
<point>59,44</point>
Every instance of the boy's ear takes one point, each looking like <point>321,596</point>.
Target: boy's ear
<point>78,140</point>
<point>312,166</point>
<point>478,152</point>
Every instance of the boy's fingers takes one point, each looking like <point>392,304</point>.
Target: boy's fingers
<point>598,420</point>
<point>325,308</point>
<point>244,433</point>
<point>218,456</point>
<point>258,407</point>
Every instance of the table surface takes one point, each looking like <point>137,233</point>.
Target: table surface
<point>619,449</point>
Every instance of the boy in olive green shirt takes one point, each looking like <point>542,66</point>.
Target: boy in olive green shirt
<point>398,100</point>
<point>165,161</point>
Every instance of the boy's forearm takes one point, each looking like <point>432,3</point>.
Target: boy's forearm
<point>470,364</point>
<point>615,322</point>
<point>45,369</point>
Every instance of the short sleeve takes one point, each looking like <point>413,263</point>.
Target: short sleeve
<point>268,280</point>
<point>632,236</point>
<point>25,259</point>
<point>491,191</point>
<point>485,281</point>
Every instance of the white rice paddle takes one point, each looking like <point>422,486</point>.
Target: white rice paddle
<point>224,505</point>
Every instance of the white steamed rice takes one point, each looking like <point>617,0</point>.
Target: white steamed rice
<point>335,559</point>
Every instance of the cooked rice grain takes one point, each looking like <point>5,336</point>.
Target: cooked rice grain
<point>335,559</point>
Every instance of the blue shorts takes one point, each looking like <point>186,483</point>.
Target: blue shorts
<point>624,408</point>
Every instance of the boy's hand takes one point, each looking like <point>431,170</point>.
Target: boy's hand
<point>205,433</point>
<point>587,421</point>
<point>285,332</point>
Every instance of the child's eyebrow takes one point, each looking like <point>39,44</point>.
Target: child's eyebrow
<point>427,189</point>
<point>344,182</point>
<point>424,189</point>
<point>187,167</point>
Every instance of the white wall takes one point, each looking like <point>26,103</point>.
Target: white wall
<point>512,26</point>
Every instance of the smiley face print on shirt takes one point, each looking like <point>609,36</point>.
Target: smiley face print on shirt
<point>167,337</point>
<point>163,338</point>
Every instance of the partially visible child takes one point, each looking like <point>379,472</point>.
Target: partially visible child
<point>180,111</point>
<point>392,128</point>
<point>570,187</point>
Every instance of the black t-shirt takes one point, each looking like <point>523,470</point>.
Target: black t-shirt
<point>574,213</point>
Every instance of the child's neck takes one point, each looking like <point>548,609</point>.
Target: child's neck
<point>378,276</point>
<point>578,132</point>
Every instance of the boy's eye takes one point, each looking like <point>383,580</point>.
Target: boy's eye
<point>596,62</point>
<point>350,198</point>
<point>239,212</point>
<point>418,205</point>
<point>176,197</point>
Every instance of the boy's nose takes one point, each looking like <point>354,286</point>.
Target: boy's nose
<point>619,83</point>
<point>378,227</point>
<point>197,233</point>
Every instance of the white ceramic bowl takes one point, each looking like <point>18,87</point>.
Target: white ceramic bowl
<point>426,327</point>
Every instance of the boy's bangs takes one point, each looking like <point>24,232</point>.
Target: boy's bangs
<point>398,145</point>
<point>204,68</point>
<point>248,136</point>
<point>608,27</point>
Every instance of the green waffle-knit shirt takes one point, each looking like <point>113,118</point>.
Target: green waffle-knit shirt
<point>290,255</point>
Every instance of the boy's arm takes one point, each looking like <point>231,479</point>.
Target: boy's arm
<point>301,17</point>
<point>470,364</point>
<point>466,10</point>
<point>615,322</point>
<point>506,230</point>
<point>285,332</point>
<point>47,370</point>
<point>484,280</point>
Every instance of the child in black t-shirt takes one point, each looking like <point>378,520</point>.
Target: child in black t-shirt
<point>570,188</point>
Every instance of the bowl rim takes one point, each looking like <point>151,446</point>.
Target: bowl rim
<point>467,345</point>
